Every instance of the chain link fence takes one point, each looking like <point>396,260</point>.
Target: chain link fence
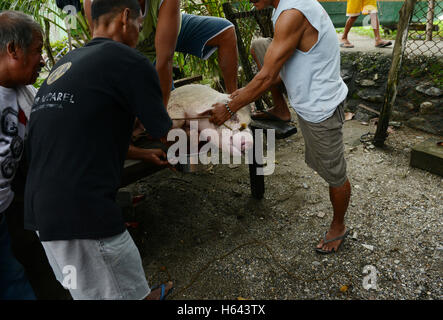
<point>419,103</point>
<point>425,36</point>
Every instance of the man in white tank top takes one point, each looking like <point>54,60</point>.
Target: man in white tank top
<point>305,55</point>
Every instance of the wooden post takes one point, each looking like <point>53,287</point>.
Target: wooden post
<point>47,43</point>
<point>397,55</point>
<point>257,181</point>
<point>244,57</point>
<point>430,20</point>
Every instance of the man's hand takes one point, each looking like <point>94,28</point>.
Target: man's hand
<point>235,93</point>
<point>219,114</point>
<point>155,156</point>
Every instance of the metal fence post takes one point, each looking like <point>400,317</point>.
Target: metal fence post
<point>430,20</point>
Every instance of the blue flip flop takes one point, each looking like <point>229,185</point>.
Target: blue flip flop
<point>163,287</point>
<point>343,237</point>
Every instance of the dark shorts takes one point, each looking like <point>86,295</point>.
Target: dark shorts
<point>196,31</point>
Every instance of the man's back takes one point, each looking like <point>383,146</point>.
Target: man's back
<point>79,134</point>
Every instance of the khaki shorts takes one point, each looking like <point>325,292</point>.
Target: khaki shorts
<point>324,150</point>
<point>259,46</point>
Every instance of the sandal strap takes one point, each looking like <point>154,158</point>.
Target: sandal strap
<point>335,239</point>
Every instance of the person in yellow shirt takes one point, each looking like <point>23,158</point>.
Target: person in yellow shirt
<point>353,10</point>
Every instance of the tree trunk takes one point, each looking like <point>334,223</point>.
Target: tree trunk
<point>244,58</point>
<point>397,55</point>
<point>47,43</point>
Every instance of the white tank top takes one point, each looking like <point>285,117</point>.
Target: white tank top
<point>312,79</point>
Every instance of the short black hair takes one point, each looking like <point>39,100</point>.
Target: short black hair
<point>18,28</point>
<point>103,7</point>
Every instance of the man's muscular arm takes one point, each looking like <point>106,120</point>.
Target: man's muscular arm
<point>289,30</point>
<point>165,41</point>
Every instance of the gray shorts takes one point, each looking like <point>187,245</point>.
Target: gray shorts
<point>99,269</point>
<point>260,46</point>
<point>324,149</point>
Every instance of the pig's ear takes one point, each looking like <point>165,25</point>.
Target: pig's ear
<point>205,113</point>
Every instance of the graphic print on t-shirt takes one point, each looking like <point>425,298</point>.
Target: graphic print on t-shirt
<point>58,73</point>
<point>9,122</point>
<point>17,147</point>
<point>8,167</point>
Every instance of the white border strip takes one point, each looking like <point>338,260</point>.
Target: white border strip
<point>215,48</point>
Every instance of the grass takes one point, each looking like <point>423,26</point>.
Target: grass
<point>368,32</point>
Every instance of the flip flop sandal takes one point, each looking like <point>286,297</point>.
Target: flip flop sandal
<point>367,137</point>
<point>163,287</point>
<point>344,45</point>
<point>343,237</point>
<point>267,116</point>
<point>382,45</point>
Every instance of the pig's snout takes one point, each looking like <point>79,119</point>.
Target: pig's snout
<point>240,142</point>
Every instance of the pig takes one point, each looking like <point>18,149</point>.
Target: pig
<point>191,100</point>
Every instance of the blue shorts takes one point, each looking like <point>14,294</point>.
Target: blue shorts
<point>196,31</point>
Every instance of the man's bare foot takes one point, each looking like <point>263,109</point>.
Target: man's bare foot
<point>273,114</point>
<point>156,294</point>
<point>332,246</point>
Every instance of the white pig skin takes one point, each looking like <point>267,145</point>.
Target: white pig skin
<point>190,100</point>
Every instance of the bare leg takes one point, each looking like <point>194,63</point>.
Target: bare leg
<point>349,23</point>
<point>376,28</point>
<point>339,197</point>
<point>280,108</point>
<point>227,57</point>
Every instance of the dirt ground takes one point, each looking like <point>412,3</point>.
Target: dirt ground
<point>205,232</point>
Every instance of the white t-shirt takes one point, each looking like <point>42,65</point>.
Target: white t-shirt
<point>13,121</point>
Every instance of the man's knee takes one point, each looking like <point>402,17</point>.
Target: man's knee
<point>227,37</point>
<point>353,18</point>
<point>259,43</point>
<point>259,47</point>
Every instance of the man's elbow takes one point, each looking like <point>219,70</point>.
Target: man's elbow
<point>269,79</point>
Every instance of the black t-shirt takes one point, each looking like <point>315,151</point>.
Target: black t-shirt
<point>79,133</point>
